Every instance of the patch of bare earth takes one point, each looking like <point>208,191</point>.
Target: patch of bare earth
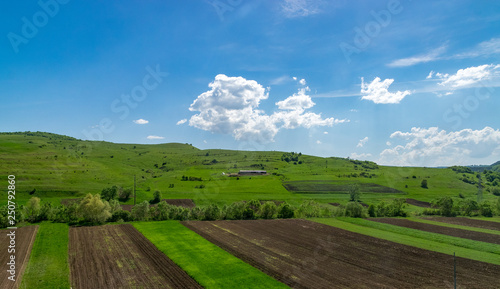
<point>119,256</point>
<point>304,254</point>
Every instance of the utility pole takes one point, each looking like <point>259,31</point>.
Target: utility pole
<point>134,191</point>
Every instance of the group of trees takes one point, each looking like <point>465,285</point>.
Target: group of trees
<point>447,206</point>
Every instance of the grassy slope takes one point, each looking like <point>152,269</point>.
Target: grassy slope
<point>48,265</point>
<point>60,167</point>
<point>475,250</point>
<point>208,264</point>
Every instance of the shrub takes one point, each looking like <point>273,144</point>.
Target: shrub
<point>196,213</point>
<point>396,208</point>
<point>109,193</point>
<point>268,210</point>
<point>140,212</point>
<point>446,207</point>
<point>371,211</point>
<point>121,215</point>
<point>235,211</point>
<point>485,209</point>
<point>211,213</point>
<point>469,207</point>
<point>308,209</point>
<point>495,191</point>
<point>285,211</point>
<point>32,209</point>
<point>93,210</point>
<point>354,209</point>
<point>423,184</point>
<point>156,198</point>
<point>125,195</point>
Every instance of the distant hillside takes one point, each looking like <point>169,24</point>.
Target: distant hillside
<point>494,167</point>
<point>55,167</point>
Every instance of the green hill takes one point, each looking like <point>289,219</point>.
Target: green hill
<point>55,167</point>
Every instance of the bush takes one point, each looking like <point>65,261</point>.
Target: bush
<point>485,209</point>
<point>211,213</point>
<point>495,191</point>
<point>93,210</point>
<point>371,211</point>
<point>108,194</point>
<point>196,213</point>
<point>285,211</point>
<point>235,211</point>
<point>32,210</point>
<point>121,215</point>
<point>354,209</point>
<point>423,184</point>
<point>396,208</point>
<point>308,209</point>
<point>125,195</point>
<point>140,212</point>
<point>268,210</point>
<point>469,207</point>
<point>446,207</point>
<point>156,198</point>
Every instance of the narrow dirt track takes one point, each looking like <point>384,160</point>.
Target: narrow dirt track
<point>466,234</point>
<point>304,254</point>
<point>25,237</point>
<point>119,256</point>
<point>467,222</point>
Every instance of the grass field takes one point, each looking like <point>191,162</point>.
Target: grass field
<point>55,167</point>
<point>208,264</point>
<point>48,264</point>
<point>474,250</point>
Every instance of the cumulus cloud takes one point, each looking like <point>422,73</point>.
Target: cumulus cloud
<point>302,81</point>
<point>300,8</point>
<point>231,106</point>
<point>182,121</point>
<point>362,142</point>
<point>378,91</point>
<point>468,76</point>
<point>154,137</point>
<point>318,142</point>
<point>141,121</point>
<point>435,147</point>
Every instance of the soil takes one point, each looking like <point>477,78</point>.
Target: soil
<point>25,236</point>
<point>304,254</point>
<point>187,203</point>
<point>418,203</point>
<point>467,222</point>
<point>119,256</point>
<point>466,234</point>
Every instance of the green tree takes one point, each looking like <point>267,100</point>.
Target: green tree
<point>114,206</point>
<point>211,213</point>
<point>485,209</point>
<point>93,210</point>
<point>140,212</point>
<point>354,209</point>
<point>32,209</point>
<point>446,207</point>
<point>423,184</point>
<point>156,197</point>
<point>285,211</point>
<point>469,207</point>
<point>354,193</point>
<point>268,210</point>
<point>109,193</point>
<point>371,211</point>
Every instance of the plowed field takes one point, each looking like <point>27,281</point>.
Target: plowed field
<point>467,222</point>
<point>118,256</point>
<point>476,236</point>
<point>24,239</point>
<point>304,254</point>
<point>418,203</point>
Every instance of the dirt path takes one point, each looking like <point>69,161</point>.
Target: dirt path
<point>24,239</point>
<point>472,235</point>
<point>304,254</point>
<point>119,256</point>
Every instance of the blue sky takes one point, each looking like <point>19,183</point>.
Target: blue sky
<point>414,83</point>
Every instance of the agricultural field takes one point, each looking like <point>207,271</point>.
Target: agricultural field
<point>118,256</point>
<point>305,254</point>
<point>24,238</point>
<point>468,222</point>
<point>461,233</point>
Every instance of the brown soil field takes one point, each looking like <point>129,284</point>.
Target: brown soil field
<point>335,204</point>
<point>467,222</point>
<point>418,203</point>
<point>304,254</point>
<point>119,256</point>
<point>187,203</point>
<point>25,236</point>
<point>466,234</point>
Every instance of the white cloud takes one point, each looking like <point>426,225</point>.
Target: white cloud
<point>182,121</point>
<point>318,142</point>
<point>388,143</point>
<point>430,74</point>
<point>231,107</point>
<point>485,48</point>
<point>362,156</point>
<point>434,147</point>
<point>353,110</point>
<point>294,78</point>
<point>377,91</point>
<point>468,76</point>
<point>300,8</point>
<point>362,142</point>
<point>281,80</point>
<point>153,137</point>
<point>325,132</point>
<point>141,121</point>
<point>302,81</point>
<point>430,56</point>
